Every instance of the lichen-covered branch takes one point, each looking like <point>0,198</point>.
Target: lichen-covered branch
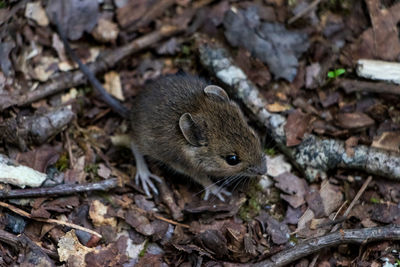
<point>314,155</point>
<point>35,129</point>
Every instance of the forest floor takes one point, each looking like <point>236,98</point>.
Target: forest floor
<point>311,65</point>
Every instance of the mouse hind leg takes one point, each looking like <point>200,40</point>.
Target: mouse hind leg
<point>143,174</point>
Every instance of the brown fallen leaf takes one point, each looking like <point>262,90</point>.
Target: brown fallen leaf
<point>40,158</point>
<point>388,141</point>
<point>350,143</point>
<point>354,120</point>
<point>278,231</point>
<point>296,126</point>
<point>385,32</point>
<point>114,254</point>
<point>295,187</point>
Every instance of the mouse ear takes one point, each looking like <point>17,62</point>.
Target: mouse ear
<point>191,131</point>
<point>216,92</point>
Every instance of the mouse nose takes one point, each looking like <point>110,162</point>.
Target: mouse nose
<point>261,168</point>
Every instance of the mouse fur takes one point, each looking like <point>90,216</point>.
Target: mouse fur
<point>216,128</point>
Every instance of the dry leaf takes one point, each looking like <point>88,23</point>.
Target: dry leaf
<point>277,165</point>
<point>388,141</point>
<point>67,65</point>
<point>72,94</point>
<point>113,85</point>
<point>36,12</point>
<point>97,212</point>
<point>278,107</point>
<point>71,250</point>
<point>105,31</point>
<point>354,120</point>
<point>47,66</point>
<point>296,126</point>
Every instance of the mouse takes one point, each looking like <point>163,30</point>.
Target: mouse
<point>189,125</point>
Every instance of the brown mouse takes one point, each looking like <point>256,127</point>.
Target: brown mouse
<point>195,129</point>
<point>190,126</point>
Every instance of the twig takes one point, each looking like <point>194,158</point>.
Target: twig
<point>17,241</point>
<point>304,11</point>
<point>310,246</point>
<point>346,213</point>
<point>69,149</point>
<point>354,201</point>
<point>161,218</point>
<point>60,190</point>
<point>10,239</point>
<point>27,215</point>
<point>350,86</point>
<point>339,210</point>
<point>170,221</point>
<point>25,240</point>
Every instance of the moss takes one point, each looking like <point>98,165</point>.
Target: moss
<point>270,151</point>
<point>254,203</point>
<point>62,163</point>
<point>91,168</point>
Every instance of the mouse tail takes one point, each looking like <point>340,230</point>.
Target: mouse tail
<point>106,97</point>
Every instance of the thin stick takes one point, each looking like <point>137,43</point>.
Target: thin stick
<point>304,11</point>
<point>346,213</point>
<point>170,221</point>
<point>339,210</point>
<point>142,211</point>
<point>60,190</point>
<point>350,86</point>
<point>357,197</point>
<point>27,215</point>
<point>71,158</point>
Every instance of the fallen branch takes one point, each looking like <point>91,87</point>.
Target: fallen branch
<point>379,70</point>
<point>60,190</point>
<point>17,241</point>
<point>106,60</point>
<point>314,155</point>
<point>35,129</point>
<point>350,86</point>
<point>310,246</point>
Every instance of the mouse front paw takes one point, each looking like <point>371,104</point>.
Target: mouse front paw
<point>144,176</point>
<point>217,191</point>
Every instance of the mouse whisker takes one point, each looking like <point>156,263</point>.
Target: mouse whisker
<point>211,185</point>
<point>228,180</point>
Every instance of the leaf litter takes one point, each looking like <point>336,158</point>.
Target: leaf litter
<point>289,62</point>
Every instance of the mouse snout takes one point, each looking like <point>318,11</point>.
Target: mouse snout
<point>261,168</point>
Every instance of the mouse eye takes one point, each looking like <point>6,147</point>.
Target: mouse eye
<point>232,159</point>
